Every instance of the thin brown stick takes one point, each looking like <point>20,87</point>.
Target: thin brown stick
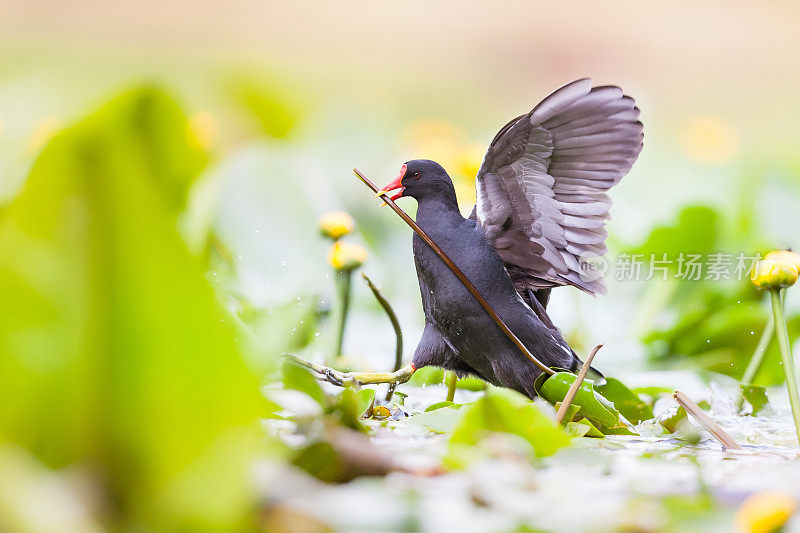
<point>457,271</point>
<point>704,420</point>
<point>573,389</point>
<point>398,347</point>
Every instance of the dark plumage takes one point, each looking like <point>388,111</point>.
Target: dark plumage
<point>541,207</point>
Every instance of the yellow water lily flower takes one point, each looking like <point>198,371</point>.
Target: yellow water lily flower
<point>786,255</point>
<point>346,256</point>
<point>336,224</point>
<point>765,512</point>
<point>774,274</point>
<point>710,139</point>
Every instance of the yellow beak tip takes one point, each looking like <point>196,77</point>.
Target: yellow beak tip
<point>380,193</point>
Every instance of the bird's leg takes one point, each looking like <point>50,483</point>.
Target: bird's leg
<point>343,379</point>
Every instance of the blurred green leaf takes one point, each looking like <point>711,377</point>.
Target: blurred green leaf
<point>625,401</point>
<point>272,105</point>
<point>348,409</point>
<point>296,377</point>
<point>442,420</point>
<point>695,232</point>
<point>508,412</point>
<point>114,352</point>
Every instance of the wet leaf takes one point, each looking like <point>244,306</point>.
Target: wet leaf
<point>572,412</point>
<point>755,395</point>
<point>671,418</point>
<point>593,406</point>
<point>630,405</point>
<point>591,430</point>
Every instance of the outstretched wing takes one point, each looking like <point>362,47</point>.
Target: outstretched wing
<point>541,189</point>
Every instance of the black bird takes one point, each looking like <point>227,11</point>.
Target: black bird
<point>540,215</point>
<point>538,222</point>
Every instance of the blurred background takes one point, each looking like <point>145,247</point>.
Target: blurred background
<point>232,127</point>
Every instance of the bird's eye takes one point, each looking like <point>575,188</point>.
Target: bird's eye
<point>416,175</point>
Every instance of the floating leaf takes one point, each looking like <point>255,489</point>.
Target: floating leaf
<point>591,430</point>
<point>630,405</point>
<point>575,429</point>
<point>508,412</point>
<point>755,395</point>
<point>594,407</point>
<point>428,375</point>
<point>672,417</point>
<point>472,384</point>
<point>441,420</point>
<point>439,405</point>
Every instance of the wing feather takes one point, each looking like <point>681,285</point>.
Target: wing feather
<point>542,185</point>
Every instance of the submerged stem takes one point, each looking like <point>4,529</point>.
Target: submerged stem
<point>786,357</point>
<point>343,283</point>
<point>761,350</point>
<point>452,382</point>
<point>398,347</point>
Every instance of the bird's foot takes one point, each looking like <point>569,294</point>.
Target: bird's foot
<point>345,379</point>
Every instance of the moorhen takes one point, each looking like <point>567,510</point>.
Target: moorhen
<point>538,221</point>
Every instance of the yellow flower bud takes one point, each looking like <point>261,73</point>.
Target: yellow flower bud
<point>786,255</point>
<point>773,274</point>
<point>765,512</point>
<point>336,224</point>
<point>346,256</point>
<point>470,157</point>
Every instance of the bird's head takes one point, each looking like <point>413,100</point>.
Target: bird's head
<point>420,178</point>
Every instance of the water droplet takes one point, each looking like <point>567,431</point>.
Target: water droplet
<point>283,263</point>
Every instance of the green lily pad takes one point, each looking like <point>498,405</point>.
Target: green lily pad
<point>591,430</point>
<point>428,375</point>
<point>598,410</point>
<point>571,414</point>
<point>439,405</point>
<point>574,429</point>
<point>473,384</point>
<point>625,401</point>
<point>442,420</point>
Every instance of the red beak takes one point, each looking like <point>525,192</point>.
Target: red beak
<point>396,184</point>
